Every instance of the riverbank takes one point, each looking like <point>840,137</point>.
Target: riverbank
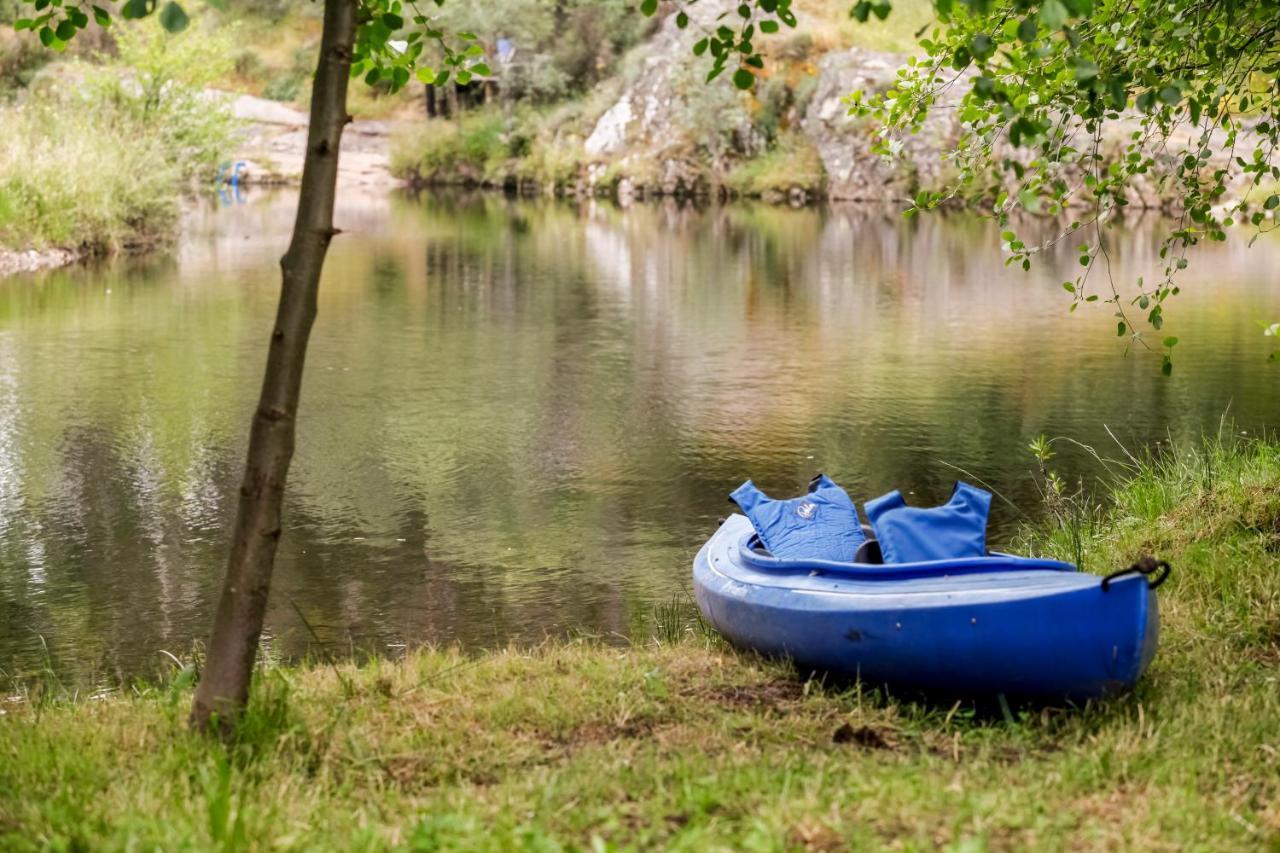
<point>681,742</point>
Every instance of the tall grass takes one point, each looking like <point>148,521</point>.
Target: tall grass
<point>67,179</point>
<point>100,165</point>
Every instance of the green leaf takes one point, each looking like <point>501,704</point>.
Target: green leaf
<point>173,18</point>
<point>442,77</point>
<point>1053,14</point>
<point>102,16</point>
<point>481,69</point>
<point>1170,342</point>
<point>465,36</point>
<point>1171,95</point>
<point>682,20</point>
<point>1120,329</point>
<point>700,47</point>
<point>23,24</point>
<point>392,21</point>
<point>463,77</point>
<point>768,26</point>
<point>425,75</point>
<point>1166,366</point>
<point>743,79</point>
<point>1027,30</point>
<point>46,36</point>
<point>648,7</point>
<point>66,31</point>
<point>1272,202</point>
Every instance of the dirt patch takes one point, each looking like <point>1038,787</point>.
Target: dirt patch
<point>1267,649</point>
<point>867,737</point>
<point>597,732</point>
<point>810,834</point>
<point>416,772</point>
<point>773,695</point>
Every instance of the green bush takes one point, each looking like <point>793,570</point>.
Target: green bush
<point>101,166</point>
<point>81,179</point>
<point>792,162</point>
<point>159,84</point>
<point>476,150</point>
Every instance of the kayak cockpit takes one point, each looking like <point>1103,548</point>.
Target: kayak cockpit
<point>738,533</point>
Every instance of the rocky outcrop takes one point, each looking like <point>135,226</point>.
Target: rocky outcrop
<point>844,142</point>
<point>669,131</point>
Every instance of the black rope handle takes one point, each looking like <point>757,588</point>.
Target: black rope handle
<point>1146,566</point>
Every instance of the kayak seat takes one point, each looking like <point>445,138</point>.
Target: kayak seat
<point>869,552</point>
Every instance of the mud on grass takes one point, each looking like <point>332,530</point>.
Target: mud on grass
<point>686,744</point>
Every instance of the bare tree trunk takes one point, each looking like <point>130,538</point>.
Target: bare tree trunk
<point>224,683</point>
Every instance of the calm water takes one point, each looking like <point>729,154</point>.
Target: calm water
<point>522,418</point>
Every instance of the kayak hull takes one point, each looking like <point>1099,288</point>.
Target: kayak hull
<point>979,626</point>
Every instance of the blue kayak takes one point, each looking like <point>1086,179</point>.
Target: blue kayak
<point>970,626</point>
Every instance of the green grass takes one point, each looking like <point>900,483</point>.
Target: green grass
<point>792,163</point>
<point>102,166</point>
<point>681,743</point>
<point>68,181</point>
<point>474,150</point>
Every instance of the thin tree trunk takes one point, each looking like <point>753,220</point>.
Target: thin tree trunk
<point>237,626</point>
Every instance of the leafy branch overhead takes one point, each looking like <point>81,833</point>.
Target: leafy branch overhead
<point>390,47</point>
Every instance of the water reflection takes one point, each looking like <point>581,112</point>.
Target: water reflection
<point>522,417</point>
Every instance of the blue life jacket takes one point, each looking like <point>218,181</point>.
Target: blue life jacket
<point>908,534</point>
<point>821,525</point>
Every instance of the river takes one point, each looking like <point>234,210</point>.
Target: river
<point>520,419</point>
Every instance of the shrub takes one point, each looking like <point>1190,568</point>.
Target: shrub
<point>158,84</point>
<point>100,166</point>
<point>792,162</point>
<point>476,150</point>
<point>66,179</point>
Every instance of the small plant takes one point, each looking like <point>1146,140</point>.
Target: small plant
<point>1073,512</point>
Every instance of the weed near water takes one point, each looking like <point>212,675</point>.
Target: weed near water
<point>680,742</point>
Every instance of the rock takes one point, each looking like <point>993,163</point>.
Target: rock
<point>844,142</point>
<point>668,129</point>
<point>31,260</point>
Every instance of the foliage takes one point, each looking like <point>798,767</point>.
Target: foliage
<point>95,166</point>
<point>467,151</point>
<point>791,162</point>
<point>682,743</point>
<point>556,51</point>
<point>158,82</point>
<point>84,178</point>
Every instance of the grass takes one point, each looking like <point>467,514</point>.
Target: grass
<point>102,165</point>
<point>444,151</point>
<point>66,183</point>
<point>683,743</point>
<point>792,163</point>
